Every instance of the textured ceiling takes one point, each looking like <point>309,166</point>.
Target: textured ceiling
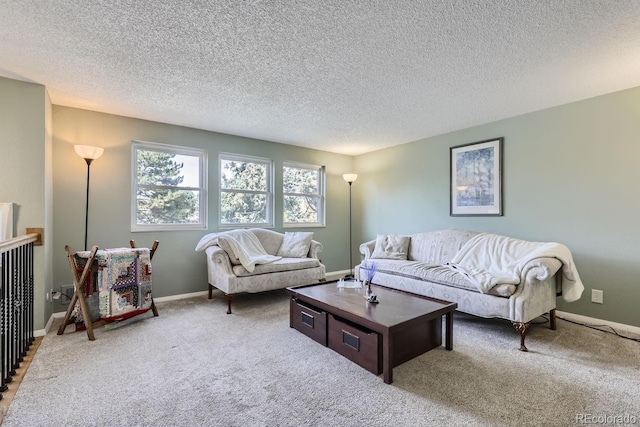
<point>337,75</point>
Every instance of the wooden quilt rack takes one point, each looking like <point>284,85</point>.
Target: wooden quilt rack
<point>79,282</point>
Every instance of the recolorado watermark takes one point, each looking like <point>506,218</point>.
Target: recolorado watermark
<point>606,419</point>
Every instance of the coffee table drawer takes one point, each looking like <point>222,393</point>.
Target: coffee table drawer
<point>309,320</point>
<point>356,343</point>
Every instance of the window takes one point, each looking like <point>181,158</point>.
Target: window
<point>246,191</point>
<point>169,187</point>
<point>303,194</point>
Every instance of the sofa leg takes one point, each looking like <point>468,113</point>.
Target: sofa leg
<point>522,329</point>
<point>552,319</point>
<point>229,298</point>
<point>210,291</point>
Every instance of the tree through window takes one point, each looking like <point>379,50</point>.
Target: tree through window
<point>169,187</point>
<point>303,194</point>
<point>246,195</point>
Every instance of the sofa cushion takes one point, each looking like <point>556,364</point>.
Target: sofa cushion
<point>437,247</point>
<point>391,247</point>
<point>271,240</point>
<point>284,264</point>
<point>295,244</point>
<point>439,274</point>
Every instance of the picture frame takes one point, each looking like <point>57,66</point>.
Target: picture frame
<point>476,178</point>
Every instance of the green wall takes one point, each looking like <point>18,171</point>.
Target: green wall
<point>177,268</point>
<point>571,175</point>
<point>25,174</point>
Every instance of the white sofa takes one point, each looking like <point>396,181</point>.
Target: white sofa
<point>443,264</point>
<point>290,259</point>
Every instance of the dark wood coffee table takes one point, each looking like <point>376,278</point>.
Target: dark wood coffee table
<point>376,336</point>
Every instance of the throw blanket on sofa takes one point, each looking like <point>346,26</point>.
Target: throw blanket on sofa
<point>245,246</point>
<point>490,259</point>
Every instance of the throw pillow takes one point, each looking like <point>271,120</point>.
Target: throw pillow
<point>391,247</point>
<point>295,244</point>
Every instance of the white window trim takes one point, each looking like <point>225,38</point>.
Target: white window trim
<point>269,191</point>
<point>172,149</point>
<point>321,194</point>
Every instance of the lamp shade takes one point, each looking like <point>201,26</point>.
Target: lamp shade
<point>350,177</point>
<point>88,151</point>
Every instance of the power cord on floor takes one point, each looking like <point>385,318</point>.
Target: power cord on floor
<point>597,328</point>
<point>544,320</point>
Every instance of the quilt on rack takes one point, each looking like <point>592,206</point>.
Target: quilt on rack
<point>119,285</point>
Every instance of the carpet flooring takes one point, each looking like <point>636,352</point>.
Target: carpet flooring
<point>194,365</point>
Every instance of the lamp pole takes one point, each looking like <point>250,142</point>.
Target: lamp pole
<point>86,209</point>
<point>350,178</point>
<point>89,154</point>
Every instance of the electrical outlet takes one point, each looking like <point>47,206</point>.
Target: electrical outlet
<point>597,296</point>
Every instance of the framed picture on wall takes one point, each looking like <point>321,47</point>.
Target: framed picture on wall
<point>476,178</point>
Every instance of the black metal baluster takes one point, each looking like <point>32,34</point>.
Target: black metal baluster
<point>31,295</point>
<point>6,318</point>
<point>4,269</point>
<point>16,309</point>
<point>12,312</point>
<point>21,348</point>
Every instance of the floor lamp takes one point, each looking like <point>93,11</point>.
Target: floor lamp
<point>350,177</point>
<point>89,154</point>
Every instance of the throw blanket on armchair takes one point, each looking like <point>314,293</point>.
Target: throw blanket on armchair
<point>490,259</point>
<point>244,244</point>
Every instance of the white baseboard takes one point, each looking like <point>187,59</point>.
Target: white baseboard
<point>335,275</point>
<point>181,296</point>
<point>61,314</point>
<point>332,275</point>
<point>47,327</point>
<point>619,327</point>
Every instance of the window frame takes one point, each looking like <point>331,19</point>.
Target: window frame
<point>202,156</point>
<point>269,191</point>
<point>321,195</point>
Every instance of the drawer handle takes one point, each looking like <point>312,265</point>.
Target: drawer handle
<point>351,340</point>
<point>307,319</point>
<point>306,307</point>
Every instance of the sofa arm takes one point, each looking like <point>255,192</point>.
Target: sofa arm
<point>218,258</point>
<point>540,269</point>
<point>537,292</point>
<point>315,249</point>
<point>366,249</point>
